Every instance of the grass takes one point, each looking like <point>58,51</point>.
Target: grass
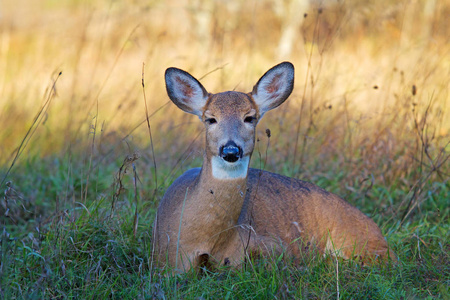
<point>368,120</point>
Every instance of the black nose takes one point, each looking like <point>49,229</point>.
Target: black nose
<point>231,152</point>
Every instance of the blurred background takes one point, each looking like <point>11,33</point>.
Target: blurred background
<point>371,98</point>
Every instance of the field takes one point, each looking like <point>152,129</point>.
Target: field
<point>89,140</point>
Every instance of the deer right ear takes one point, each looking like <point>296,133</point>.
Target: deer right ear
<point>185,91</point>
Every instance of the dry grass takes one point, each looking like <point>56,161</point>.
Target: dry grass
<point>100,47</point>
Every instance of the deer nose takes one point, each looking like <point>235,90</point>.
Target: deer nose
<point>231,152</point>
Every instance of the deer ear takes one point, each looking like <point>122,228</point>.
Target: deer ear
<point>185,91</point>
<point>274,87</point>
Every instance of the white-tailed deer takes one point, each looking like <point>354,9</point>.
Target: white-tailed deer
<point>219,213</point>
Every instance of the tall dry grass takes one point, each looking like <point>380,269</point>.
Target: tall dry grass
<point>371,94</point>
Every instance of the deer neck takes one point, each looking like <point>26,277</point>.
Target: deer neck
<point>222,192</point>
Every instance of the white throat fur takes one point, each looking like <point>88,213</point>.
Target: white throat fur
<point>222,169</point>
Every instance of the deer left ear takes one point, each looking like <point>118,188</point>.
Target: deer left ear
<point>274,87</point>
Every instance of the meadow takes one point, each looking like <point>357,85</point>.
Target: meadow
<point>89,140</point>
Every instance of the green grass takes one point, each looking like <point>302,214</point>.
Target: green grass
<point>87,250</point>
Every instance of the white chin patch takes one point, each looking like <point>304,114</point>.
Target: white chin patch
<point>222,169</point>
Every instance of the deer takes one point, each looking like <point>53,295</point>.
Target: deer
<point>223,212</point>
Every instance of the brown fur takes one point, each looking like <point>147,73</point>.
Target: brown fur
<point>222,220</point>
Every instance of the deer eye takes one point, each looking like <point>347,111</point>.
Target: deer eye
<point>210,121</point>
<point>249,119</point>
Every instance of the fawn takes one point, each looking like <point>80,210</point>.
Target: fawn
<point>219,213</point>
